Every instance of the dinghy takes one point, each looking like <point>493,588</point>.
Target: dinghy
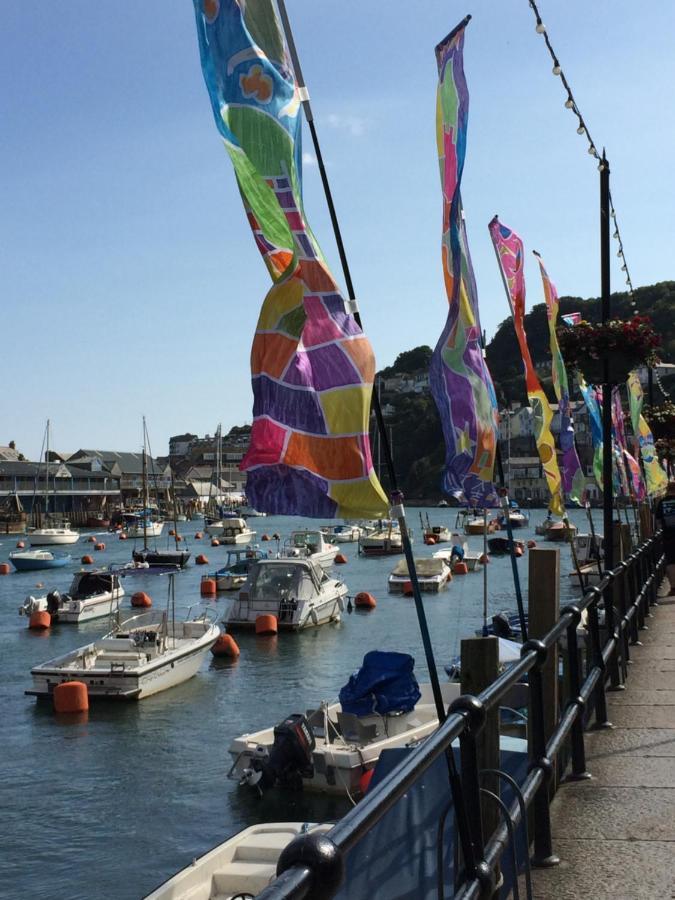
<point>432,575</point>
<point>91,595</point>
<point>34,560</point>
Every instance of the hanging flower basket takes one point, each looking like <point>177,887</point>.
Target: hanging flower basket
<point>661,420</point>
<point>625,345</point>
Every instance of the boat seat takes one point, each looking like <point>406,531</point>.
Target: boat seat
<point>352,729</point>
<point>316,721</point>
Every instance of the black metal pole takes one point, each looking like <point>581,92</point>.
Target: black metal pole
<point>396,496</point>
<point>607,486</point>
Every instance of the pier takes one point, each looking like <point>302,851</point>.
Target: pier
<point>592,814</point>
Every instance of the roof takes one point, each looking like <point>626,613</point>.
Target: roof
<point>129,463</point>
<point>56,469</point>
<point>8,453</point>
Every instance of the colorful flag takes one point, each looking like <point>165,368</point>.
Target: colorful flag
<point>509,249</point>
<point>571,318</point>
<point>634,483</point>
<point>573,480</point>
<point>460,381</point>
<point>655,476</point>
<point>312,367</point>
<point>590,396</point>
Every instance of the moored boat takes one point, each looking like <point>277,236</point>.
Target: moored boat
<point>34,560</point>
<point>286,595</point>
<point>168,557</point>
<point>500,546</point>
<point>560,531</point>
<point>232,576</point>
<point>140,657</point>
<point>47,537</point>
<point>91,595</point>
<point>432,575</point>
<point>342,534</point>
<point>231,531</point>
<point>382,540</point>
<point>310,544</point>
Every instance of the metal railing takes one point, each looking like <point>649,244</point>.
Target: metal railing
<point>312,865</point>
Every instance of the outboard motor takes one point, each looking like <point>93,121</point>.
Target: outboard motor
<point>289,760</point>
<point>501,626</point>
<point>53,602</point>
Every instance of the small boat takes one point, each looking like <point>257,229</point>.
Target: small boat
<point>47,537</point>
<point>232,576</point>
<point>142,525</point>
<point>517,518</point>
<point>505,624</point>
<point>98,520</point>
<point>588,547</point>
<point>560,531</point>
<point>231,531</point>
<point>383,540</point>
<point>286,595</point>
<point>241,867</point>
<point>32,560</point>
<point>432,575</point>
<point>142,656</point>
<point>500,546</point>
<point>90,596</point>
<point>509,653</point>
<point>472,560</point>
<point>310,544</point>
<point>329,749</point>
<point>248,512</point>
<point>342,534</point>
<point>473,522</point>
<point>177,558</point>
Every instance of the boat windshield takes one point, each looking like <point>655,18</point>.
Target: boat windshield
<point>270,582</point>
<point>309,539</point>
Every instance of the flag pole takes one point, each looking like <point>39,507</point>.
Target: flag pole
<point>607,499</point>
<point>398,509</point>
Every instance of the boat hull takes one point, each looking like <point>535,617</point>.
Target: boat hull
<point>153,530</point>
<point>177,558</point>
<point>52,537</point>
<point>34,565</point>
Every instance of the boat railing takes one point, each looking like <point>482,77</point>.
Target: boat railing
<point>314,865</point>
<point>207,614</point>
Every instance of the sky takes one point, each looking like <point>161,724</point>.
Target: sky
<point>129,281</point>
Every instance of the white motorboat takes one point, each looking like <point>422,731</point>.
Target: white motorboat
<point>473,522</point>
<point>310,544</point>
<point>140,657</point>
<point>47,537</point>
<point>286,595</point>
<point>142,525</point>
<point>472,560</point>
<point>231,531</point>
<point>90,596</point>
<point>432,575</point>
<point>342,534</point>
<point>340,746</point>
<point>232,576</point>
<point>383,540</point>
<point>248,512</point>
<point>437,534</point>
<point>241,866</point>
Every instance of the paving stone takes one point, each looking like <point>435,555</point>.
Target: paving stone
<point>626,716</point>
<point>629,771</point>
<point>631,741</point>
<point>634,696</point>
<point>590,811</point>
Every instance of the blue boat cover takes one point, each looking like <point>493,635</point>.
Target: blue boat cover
<point>384,683</point>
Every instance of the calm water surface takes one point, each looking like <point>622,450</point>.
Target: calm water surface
<point>112,806</point>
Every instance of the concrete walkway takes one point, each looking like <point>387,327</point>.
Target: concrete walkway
<point>615,834</point>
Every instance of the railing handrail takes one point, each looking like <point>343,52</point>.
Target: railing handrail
<point>309,855</point>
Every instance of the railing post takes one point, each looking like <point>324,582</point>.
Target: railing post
<point>543,597</point>
<point>479,668</point>
<point>600,699</point>
<point>616,673</point>
<point>543,856</point>
<point>579,771</point>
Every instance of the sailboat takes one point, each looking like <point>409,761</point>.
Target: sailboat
<point>50,534</point>
<point>155,557</point>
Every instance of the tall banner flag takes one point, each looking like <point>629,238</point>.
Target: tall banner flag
<point>595,417</point>
<point>509,249</point>
<point>656,478</point>
<point>312,367</point>
<point>629,468</point>
<point>573,480</point>
<point>460,381</point>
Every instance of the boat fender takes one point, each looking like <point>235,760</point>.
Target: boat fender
<point>5,568</point>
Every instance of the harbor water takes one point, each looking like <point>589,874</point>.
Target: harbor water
<point>112,805</point>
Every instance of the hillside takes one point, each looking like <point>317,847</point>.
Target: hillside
<point>413,421</point>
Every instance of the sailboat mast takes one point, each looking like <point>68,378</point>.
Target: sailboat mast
<point>175,511</point>
<point>146,499</point>
<point>47,475</point>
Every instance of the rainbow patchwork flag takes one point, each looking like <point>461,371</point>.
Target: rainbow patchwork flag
<point>509,249</point>
<point>655,476</point>
<point>312,366</point>
<point>634,484</point>
<point>573,480</point>
<point>460,381</point>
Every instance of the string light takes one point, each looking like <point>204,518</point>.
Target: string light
<point>582,129</point>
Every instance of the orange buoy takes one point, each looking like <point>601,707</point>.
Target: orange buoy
<point>171,532</point>
<point>91,539</point>
<point>365,779</point>
<point>340,559</point>
<point>215,542</point>
<point>100,546</point>
<point>518,551</point>
<point>208,587</point>
<point>198,535</point>
<point>71,697</point>
<point>484,559</point>
<point>265,537</point>
<point>225,646</point>
<point>40,620</point>
<point>5,568</point>
<point>430,539</point>
<point>87,560</point>
<point>201,560</point>
<point>20,545</point>
<point>122,536</point>
<point>364,600</point>
<point>531,544</point>
<point>140,598</point>
<point>266,624</point>
<point>407,589</point>
<point>460,568</point>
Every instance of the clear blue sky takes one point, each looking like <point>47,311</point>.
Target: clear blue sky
<point>129,280</point>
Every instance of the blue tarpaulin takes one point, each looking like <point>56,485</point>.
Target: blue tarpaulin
<point>384,683</point>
